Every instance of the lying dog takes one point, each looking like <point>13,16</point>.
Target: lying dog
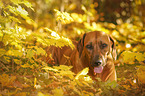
<point>95,50</point>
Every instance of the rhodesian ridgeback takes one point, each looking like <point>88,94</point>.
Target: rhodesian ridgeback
<point>95,50</point>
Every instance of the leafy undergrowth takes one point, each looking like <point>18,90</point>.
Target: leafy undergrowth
<point>129,81</point>
<point>60,81</point>
<point>26,64</point>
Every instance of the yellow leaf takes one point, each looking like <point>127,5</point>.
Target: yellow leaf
<point>69,74</point>
<point>17,45</point>
<point>17,61</point>
<point>83,72</point>
<point>88,79</point>
<point>39,51</point>
<point>8,59</point>
<point>41,94</point>
<point>63,67</point>
<point>28,4</point>
<point>128,57</point>
<point>35,81</point>
<point>141,73</point>
<point>22,11</point>
<point>27,65</point>
<point>143,40</point>
<point>64,17</point>
<point>15,53</point>
<point>56,40</point>
<point>72,6</point>
<point>30,53</point>
<point>49,68</point>
<point>140,56</point>
<point>57,92</point>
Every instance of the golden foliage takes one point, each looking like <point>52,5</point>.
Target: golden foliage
<point>26,29</point>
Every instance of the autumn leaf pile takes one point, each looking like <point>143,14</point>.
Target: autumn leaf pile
<point>29,28</point>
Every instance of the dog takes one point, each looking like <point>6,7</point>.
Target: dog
<point>95,50</point>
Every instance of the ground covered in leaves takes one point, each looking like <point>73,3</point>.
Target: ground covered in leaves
<point>60,81</point>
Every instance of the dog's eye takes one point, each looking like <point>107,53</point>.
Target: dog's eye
<point>104,45</point>
<point>89,46</point>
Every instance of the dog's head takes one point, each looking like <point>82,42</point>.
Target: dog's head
<point>96,47</point>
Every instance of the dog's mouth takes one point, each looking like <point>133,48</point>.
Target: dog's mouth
<point>98,69</point>
<point>98,65</point>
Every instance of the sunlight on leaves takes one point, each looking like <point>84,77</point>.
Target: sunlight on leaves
<point>25,2</point>
<point>96,27</point>
<point>64,17</point>
<point>55,35</point>
<point>22,12</point>
<point>77,17</point>
<point>14,53</point>
<point>35,81</point>
<point>39,51</point>
<point>83,72</point>
<point>57,40</point>
<point>50,68</point>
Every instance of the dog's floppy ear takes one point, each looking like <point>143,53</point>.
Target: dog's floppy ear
<point>113,52</point>
<point>80,45</point>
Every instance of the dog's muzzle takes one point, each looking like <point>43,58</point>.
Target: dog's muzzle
<point>97,65</point>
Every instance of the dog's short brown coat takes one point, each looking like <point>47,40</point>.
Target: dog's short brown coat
<point>94,49</point>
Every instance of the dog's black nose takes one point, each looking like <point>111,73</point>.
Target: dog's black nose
<point>98,63</point>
